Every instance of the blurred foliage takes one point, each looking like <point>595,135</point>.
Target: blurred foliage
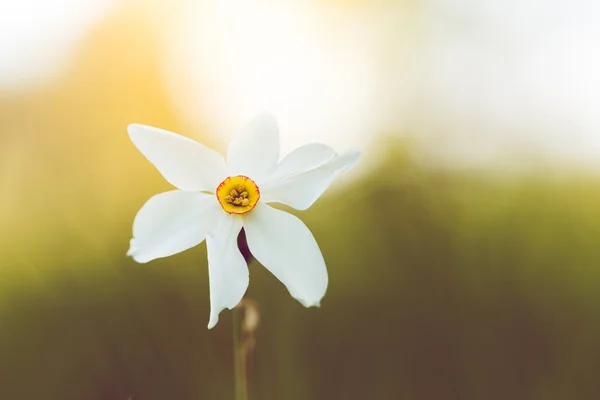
<point>443,284</point>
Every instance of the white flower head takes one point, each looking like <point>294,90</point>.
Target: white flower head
<point>215,199</point>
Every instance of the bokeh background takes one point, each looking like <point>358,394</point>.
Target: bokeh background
<point>462,251</point>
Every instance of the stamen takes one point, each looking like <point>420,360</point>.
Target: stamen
<point>238,194</point>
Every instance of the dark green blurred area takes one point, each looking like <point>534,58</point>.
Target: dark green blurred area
<point>443,284</point>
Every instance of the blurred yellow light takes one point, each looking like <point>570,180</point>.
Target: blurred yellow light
<point>299,60</point>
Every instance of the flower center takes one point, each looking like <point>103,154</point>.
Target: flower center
<point>238,194</point>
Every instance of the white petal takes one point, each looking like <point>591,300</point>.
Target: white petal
<point>254,151</point>
<point>302,190</point>
<point>285,246</point>
<point>303,159</point>
<point>227,269</point>
<point>172,222</point>
<point>185,163</point>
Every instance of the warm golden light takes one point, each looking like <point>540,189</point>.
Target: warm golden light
<point>305,62</point>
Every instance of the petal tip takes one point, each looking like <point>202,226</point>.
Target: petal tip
<point>309,304</point>
<point>352,155</point>
<point>139,259</point>
<point>133,253</point>
<point>265,120</point>
<point>356,152</point>
<point>133,128</point>
<point>132,248</point>
<point>212,322</point>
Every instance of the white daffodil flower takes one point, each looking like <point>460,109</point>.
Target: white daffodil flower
<point>217,198</point>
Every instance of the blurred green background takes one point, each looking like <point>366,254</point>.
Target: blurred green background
<point>449,279</point>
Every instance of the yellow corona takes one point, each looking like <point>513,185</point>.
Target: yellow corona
<point>238,194</point>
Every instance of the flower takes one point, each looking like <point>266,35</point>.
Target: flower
<point>215,199</point>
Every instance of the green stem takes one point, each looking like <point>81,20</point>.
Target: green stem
<point>239,356</point>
